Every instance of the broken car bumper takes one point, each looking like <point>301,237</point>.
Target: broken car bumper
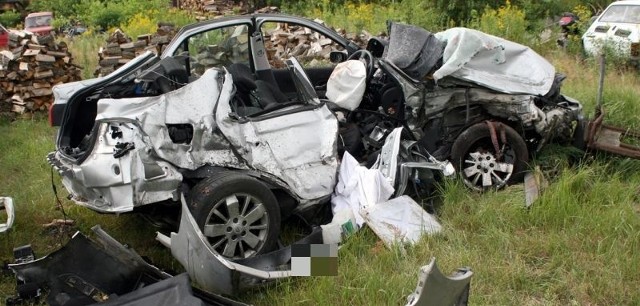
<point>219,275</point>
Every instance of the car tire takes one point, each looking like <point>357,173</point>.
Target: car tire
<point>238,214</point>
<point>474,156</point>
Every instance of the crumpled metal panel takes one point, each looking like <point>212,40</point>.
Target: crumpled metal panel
<point>192,104</point>
<point>217,274</point>
<point>514,107</point>
<point>113,184</point>
<point>435,289</point>
<point>493,62</point>
<point>298,147</point>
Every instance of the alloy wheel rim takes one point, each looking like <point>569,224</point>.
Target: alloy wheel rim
<point>237,226</point>
<point>481,169</point>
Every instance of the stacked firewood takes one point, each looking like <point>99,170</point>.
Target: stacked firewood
<point>30,68</point>
<point>208,9</point>
<point>120,48</point>
<point>287,41</point>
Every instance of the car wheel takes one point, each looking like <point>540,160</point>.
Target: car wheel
<point>481,167</point>
<point>238,214</point>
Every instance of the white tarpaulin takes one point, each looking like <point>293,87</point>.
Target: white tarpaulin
<point>494,63</point>
<point>400,220</point>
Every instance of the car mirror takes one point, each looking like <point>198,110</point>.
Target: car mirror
<point>337,57</point>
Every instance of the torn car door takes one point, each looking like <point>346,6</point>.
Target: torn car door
<point>292,143</point>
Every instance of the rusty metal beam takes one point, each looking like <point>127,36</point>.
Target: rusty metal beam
<point>607,138</point>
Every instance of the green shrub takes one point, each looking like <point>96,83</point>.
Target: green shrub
<point>107,16</point>
<point>61,8</point>
<point>508,21</point>
<point>10,19</point>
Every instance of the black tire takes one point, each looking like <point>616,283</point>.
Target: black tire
<point>474,156</point>
<point>238,214</point>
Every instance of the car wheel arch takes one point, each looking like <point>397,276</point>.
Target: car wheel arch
<point>280,189</point>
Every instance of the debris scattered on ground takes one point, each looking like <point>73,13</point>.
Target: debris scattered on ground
<point>6,206</point>
<point>103,270</point>
<point>400,220</point>
<point>362,196</point>
<point>217,274</point>
<point>434,288</point>
<point>30,68</point>
<point>534,184</point>
<point>59,223</point>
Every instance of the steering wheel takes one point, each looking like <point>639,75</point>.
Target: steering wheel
<point>366,56</point>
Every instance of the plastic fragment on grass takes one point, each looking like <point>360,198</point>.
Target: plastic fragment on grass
<point>434,288</point>
<point>400,220</point>
<point>534,184</point>
<point>6,205</point>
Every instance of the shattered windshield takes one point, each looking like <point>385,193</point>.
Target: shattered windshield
<point>622,14</point>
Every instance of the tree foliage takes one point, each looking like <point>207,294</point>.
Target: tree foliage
<point>462,11</point>
<point>104,15</point>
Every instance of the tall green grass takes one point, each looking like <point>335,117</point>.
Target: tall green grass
<point>84,49</point>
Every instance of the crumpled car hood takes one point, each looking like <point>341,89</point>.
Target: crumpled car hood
<point>494,62</point>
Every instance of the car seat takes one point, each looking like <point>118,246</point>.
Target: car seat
<point>254,93</point>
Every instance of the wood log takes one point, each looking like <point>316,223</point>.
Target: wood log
<point>28,71</point>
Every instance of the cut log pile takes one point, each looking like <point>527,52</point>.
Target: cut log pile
<point>120,48</point>
<point>30,68</point>
<point>34,64</point>
<point>304,44</point>
<point>208,9</point>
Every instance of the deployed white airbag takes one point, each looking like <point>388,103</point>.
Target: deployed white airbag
<point>347,83</point>
<point>493,62</point>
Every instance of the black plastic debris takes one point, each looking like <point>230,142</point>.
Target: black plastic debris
<point>86,272</point>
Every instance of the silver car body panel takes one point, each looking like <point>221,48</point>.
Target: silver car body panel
<point>206,267</point>
<point>297,147</point>
<point>277,145</point>
<point>434,288</point>
<point>493,62</point>
<point>63,92</point>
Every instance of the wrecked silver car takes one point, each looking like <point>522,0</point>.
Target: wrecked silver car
<point>251,144</point>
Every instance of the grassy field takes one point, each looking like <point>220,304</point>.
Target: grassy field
<point>578,245</point>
